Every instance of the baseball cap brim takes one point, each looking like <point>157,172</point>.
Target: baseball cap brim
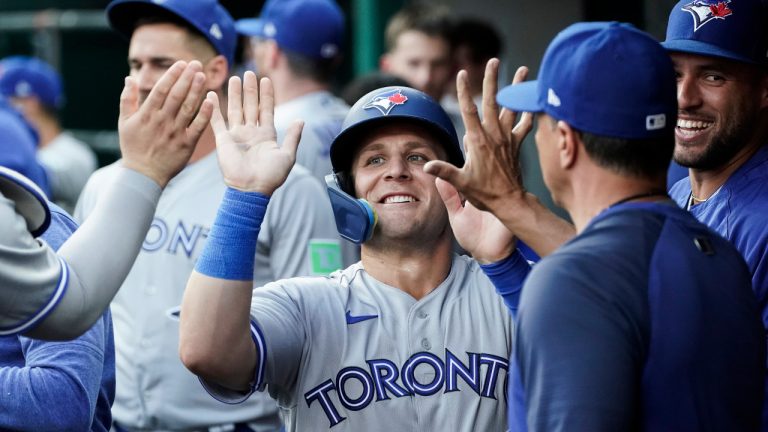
<point>522,97</point>
<point>250,27</point>
<point>705,49</point>
<point>29,200</point>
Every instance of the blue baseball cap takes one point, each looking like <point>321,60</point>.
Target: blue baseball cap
<point>206,16</point>
<point>605,78</point>
<point>22,76</point>
<point>730,29</point>
<point>314,28</point>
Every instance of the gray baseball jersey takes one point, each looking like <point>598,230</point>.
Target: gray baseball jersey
<point>350,353</point>
<point>154,390</point>
<point>323,114</point>
<point>69,162</point>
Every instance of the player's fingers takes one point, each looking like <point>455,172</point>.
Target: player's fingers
<point>181,89</point>
<point>523,127</point>
<point>520,75</point>
<point>160,91</point>
<point>292,137</point>
<point>468,108</point>
<point>218,124</point>
<point>234,102</point>
<point>198,125</point>
<point>129,98</point>
<point>189,108</point>
<point>266,103</point>
<point>445,171</point>
<point>250,98</point>
<point>490,88</point>
<point>450,196</point>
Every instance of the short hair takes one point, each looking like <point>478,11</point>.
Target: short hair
<point>479,36</point>
<point>644,158</point>
<point>161,16</point>
<point>430,19</point>
<point>321,70</point>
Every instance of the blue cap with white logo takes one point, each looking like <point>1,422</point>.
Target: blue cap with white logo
<point>730,29</point>
<point>605,78</point>
<point>206,16</point>
<point>314,28</point>
<point>22,76</point>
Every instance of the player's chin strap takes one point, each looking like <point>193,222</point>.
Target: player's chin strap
<point>29,200</point>
<point>355,218</point>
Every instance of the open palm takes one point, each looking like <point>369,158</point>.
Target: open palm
<point>249,155</point>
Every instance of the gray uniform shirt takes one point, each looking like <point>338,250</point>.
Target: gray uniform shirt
<point>154,390</point>
<point>350,353</point>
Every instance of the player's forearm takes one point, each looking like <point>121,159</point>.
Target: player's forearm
<point>101,253</point>
<point>214,340</point>
<point>533,223</point>
<point>215,315</point>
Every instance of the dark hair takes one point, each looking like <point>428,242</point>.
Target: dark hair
<point>479,36</point>
<point>365,84</point>
<point>646,158</point>
<point>430,19</point>
<point>320,70</point>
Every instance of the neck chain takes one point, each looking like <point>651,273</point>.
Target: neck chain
<point>697,200</point>
<point>656,192</point>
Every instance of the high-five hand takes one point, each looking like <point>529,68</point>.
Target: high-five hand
<point>491,172</point>
<point>249,156</point>
<point>158,137</point>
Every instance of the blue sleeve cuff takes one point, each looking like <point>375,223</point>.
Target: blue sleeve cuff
<point>508,276</point>
<point>230,250</point>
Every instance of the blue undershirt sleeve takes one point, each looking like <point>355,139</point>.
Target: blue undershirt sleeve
<point>508,276</point>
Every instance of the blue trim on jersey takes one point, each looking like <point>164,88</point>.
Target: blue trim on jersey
<point>58,293</point>
<point>261,347</point>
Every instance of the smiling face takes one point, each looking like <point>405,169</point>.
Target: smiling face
<point>388,171</point>
<point>719,104</point>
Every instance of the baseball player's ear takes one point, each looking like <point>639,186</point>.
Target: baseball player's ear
<point>216,72</point>
<point>569,141</point>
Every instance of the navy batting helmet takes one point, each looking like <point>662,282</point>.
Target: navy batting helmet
<point>388,104</point>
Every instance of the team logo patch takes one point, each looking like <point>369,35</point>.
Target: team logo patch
<point>704,11</point>
<point>384,102</point>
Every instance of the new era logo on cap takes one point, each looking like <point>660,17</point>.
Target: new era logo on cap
<point>215,31</point>
<point>655,121</point>
<point>386,101</point>
<point>552,98</point>
<point>704,11</point>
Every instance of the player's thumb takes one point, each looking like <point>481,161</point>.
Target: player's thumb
<point>444,170</point>
<point>449,195</point>
<point>129,98</point>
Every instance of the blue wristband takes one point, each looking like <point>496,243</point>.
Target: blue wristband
<point>508,276</point>
<point>230,250</point>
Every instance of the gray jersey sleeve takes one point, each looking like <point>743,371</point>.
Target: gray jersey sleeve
<point>101,253</point>
<point>30,274</point>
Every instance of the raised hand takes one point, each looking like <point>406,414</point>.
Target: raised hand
<point>158,137</point>
<point>491,173</point>
<point>249,156</point>
<point>479,232</point>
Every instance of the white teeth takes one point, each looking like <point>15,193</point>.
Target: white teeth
<point>398,199</point>
<point>690,124</point>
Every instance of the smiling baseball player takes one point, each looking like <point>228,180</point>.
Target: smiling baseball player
<point>413,337</point>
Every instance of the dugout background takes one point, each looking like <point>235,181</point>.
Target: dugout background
<point>73,35</point>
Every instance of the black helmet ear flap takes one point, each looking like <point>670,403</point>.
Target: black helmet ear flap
<point>355,218</point>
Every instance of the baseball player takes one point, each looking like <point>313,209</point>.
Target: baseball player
<point>298,45</point>
<point>154,390</point>
<point>411,338</point>
<point>643,290</point>
<point>60,296</point>
<point>35,89</point>
<point>719,50</point>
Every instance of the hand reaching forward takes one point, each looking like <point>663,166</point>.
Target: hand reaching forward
<point>158,137</point>
<point>249,156</point>
<point>491,172</point>
<point>479,232</point>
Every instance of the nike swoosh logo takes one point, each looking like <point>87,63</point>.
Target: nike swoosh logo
<point>356,319</point>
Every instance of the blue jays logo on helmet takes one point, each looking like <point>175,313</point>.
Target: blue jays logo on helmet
<point>384,102</point>
<point>704,11</point>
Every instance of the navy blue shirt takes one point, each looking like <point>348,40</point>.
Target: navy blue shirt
<point>644,321</point>
<point>58,386</point>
